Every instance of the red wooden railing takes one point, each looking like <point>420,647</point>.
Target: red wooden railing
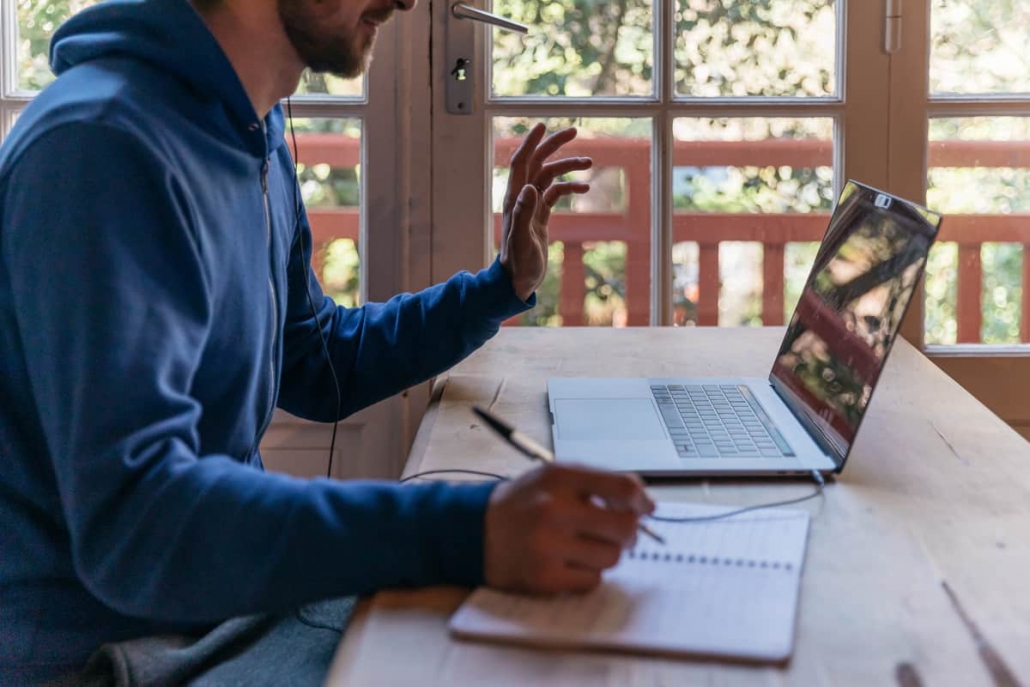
<point>774,231</point>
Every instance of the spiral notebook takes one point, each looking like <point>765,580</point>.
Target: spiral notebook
<point>726,588</point>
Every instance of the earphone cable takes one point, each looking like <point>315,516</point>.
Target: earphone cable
<point>307,291</point>
<point>478,473</point>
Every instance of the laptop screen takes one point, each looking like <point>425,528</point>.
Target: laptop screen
<point>850,311</point>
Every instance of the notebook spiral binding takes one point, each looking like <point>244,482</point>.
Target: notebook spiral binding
<point>698,559</point>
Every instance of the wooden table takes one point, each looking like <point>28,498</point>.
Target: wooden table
<point>937,486</point>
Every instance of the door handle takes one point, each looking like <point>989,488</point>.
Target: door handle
<point>462,11</point>
<point>461,68</point>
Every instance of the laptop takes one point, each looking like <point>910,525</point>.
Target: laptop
<point>806,415</point>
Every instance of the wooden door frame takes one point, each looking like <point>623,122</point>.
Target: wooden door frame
<point>395,253</point>
<point>999,376</point>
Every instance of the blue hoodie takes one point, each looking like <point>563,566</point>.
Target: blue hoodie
<point>153,312</point>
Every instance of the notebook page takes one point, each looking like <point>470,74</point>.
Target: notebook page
<point>725,588</point>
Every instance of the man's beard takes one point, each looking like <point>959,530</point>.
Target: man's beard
<point>322,50</point>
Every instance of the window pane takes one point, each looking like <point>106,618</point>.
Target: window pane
<point>799,260</point>
<point>758,48</point>
<point>37,21</point>
<point>940,322</point>
<point>746,193</point>
<point>740,279</point>
<point>329,167</point>
<point>980,179</point>
<point>979,46</point>
<point>327,84</point>
<point>599,269</point>
<point>578,48</point>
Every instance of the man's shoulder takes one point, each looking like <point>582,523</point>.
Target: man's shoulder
<point>135,100</point>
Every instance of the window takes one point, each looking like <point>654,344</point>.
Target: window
<point>979,171</point>
<point>721,132</point>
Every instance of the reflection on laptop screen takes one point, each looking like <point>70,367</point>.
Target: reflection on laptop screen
<point>868,265</point>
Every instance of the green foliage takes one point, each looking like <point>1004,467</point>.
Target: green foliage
<point>977,190</point>
<point>605,265</point>
<point>341,273</point>
<point>940,322</point>
<point>754,189</point>
<point>329,187</point>
<point>324,186</point>
<point>548,311</point>
<point>740,287</point>
<point>595,48</point>
<point>979,46</point>
<point>1002,292</point>
<point>755,48</point>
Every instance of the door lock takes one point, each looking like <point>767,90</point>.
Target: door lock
<point>460,87</point>
<point>460,71</point>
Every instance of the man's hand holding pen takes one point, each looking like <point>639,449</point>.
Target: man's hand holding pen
<point>557,528</point>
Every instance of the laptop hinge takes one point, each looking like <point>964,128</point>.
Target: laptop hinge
<point>807,424</point>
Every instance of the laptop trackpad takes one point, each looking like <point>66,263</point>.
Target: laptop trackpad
<point>611,419</point>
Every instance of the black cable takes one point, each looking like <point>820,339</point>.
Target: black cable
<point>307,291</point>
<point>420,475</point>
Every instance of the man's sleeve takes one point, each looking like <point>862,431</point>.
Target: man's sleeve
<point>380,349</point>
<point>111,301</point>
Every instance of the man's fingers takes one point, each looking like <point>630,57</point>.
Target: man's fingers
<point>556,528</point>
<point>613,527</point>
<point>549,147</point>
<point>525,206</point>
<point>520,161</point>
<point>552,170</point>
<point>564,188</point>
<point>619,491</point>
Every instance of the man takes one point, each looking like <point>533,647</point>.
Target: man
<point>156,304</point>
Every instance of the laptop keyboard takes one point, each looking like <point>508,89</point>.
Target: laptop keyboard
<point>718,420</point>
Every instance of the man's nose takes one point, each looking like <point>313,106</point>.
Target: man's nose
<point>406,5</point>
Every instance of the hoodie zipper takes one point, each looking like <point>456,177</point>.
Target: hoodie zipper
<point>273,294</point>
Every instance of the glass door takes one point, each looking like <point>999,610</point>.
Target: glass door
<point>960,132</point>
<point>721,132</point>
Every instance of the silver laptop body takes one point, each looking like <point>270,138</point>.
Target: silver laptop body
<point>806,415</point>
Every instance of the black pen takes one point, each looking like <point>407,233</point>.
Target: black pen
<point>534,450</point>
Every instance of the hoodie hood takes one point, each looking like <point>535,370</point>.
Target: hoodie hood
<point>170,35</point>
